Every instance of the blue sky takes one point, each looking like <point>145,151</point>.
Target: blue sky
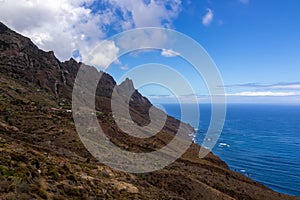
<point>254,43</point>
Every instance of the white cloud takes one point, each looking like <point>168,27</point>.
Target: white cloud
<point>264,94</point>
<point>277,86</point>
<point>57,25</point>
<point>257,98</point>
<point>169,53</point>
<point>65,26</point>
<point>153,13</point>
<point>124,67</point>
<point>287,87</point>
<point>208,17</point>
<point>102,55</point>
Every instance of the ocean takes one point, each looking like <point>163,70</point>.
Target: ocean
<point>260,141</point>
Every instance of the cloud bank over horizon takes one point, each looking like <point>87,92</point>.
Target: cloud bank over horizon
<point>250,93</point>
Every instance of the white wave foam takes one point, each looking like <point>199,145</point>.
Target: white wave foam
<point>223,145</point>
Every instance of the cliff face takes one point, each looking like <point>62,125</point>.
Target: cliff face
<point>43,158</point>
<point>22,60</point>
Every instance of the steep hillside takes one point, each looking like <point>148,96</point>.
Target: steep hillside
<point>42,157</point>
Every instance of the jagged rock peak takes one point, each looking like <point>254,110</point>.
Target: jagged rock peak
<point>127,85</point>
<point>72,60</point>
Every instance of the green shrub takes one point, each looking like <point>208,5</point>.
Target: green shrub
<point>53,174</point>
<point>4,172</point>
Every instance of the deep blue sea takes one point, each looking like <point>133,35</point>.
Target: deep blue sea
<point>260,141</point>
